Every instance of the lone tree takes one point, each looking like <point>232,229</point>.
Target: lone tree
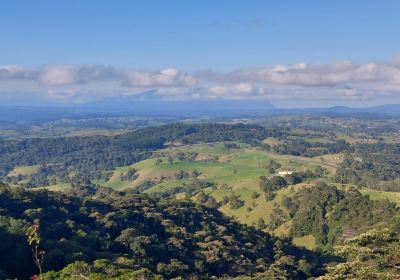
<point>33,235</point>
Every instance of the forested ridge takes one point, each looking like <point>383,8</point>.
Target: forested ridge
<point>332,215</point>
<point>91,156</point>
<point>122,235</point>
<point>134,235</point>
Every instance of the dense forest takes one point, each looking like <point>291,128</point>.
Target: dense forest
<point>332,215</point>
<point>123,235</point>
<point>300,147</point>
<point>370,164</point>
<point>119,235</point>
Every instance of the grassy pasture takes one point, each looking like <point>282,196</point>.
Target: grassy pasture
<point>24,170</point>
<point>307,241</point>
<point>238,168</point>
<point>58,187</point>
<point>381,195</point>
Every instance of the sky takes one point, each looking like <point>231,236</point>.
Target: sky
<point>292,53</point>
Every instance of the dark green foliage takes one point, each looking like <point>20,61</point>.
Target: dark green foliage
<point>254,195</point>
<point>225,132</point>
<point>269,195</point>
<point>129,233</point>
<point>272,166</point>
<point>102,269</point>
<point>173,269</point>
<point>331,215</point>
<point>225,200</point>
<point>231,146</point>
<point>299,146</point>
<point>290,205</point>
<point>278,182</point>
<point>145,185</point>
<point>181,175</point>
<point>81,187</point>
<point>130,176</point>
<point>372,255</point>
<point>211,202</point>
<point>201,197</point>
<point>370,164</point>
<point>274,183</point>
<point>235,202</point>
<point>319,171</point>
<point>277,218</point>
<point>195,174</point>
<point>170,160</point>
<point>261,224</point>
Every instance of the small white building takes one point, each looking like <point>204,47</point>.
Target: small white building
<point>283,173</point>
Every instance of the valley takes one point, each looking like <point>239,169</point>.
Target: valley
<point>313,187</point>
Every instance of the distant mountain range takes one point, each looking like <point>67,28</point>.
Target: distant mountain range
<point>231,108</point>
<point>132,105</point>
<point>384,110</point>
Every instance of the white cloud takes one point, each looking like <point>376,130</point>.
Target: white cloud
<point>11,72</point>
<point>58,75</point>
<point>340,80</point>
<point>310,75</point>
<point>243,88</point>
<point>63,95</point>
<point>68,74</point>
<point>169,77</point>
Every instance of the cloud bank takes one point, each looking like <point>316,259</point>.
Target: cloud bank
<point>340,80</point>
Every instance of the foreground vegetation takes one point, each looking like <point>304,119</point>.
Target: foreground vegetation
<point>126,234</point>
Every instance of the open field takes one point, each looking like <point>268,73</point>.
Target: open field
<point>24,170</point>
<point>58,187</point>
<point>238,168</point>
<point>307,241</point>
<point>381,195</point>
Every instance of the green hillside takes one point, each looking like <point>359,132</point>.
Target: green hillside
<point>233,172</point>
<point>239,167</point>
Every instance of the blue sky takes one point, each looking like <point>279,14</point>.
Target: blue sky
<point>207,49</point>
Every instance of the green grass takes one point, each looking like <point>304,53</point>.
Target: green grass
<point>164,186</point>
<point>239,169</point>
<point>260,207</point>
<point>271,141</point>
<point>117,185</point>
<point>24,170</point>
<point>381,195</point>
<point>58,187</point>
<point>307,241</point>
<point>374,194</point>
<point>284,229</point>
